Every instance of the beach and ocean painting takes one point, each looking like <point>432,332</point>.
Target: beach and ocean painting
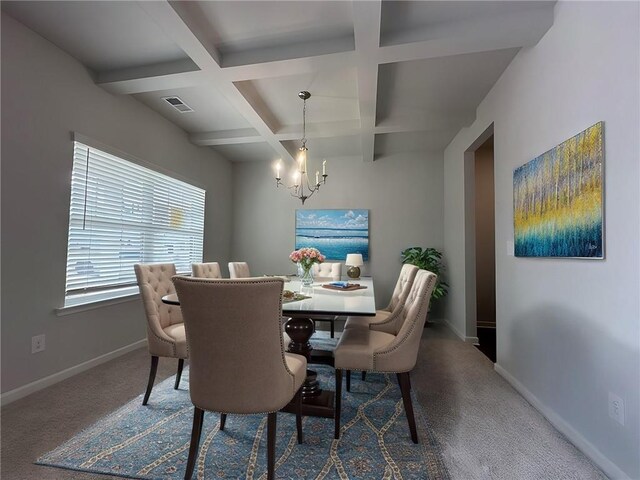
<point>557,200</point>
<point>334,232</point>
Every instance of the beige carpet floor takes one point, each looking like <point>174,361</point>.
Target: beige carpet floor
<point>487,430</point>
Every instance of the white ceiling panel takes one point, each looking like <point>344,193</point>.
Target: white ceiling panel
<point>413,21</point>
<point>102,35</point>
<point>334,96</point>
<point>447,86</point>
<point>212,111</point>
<point>254,31</point>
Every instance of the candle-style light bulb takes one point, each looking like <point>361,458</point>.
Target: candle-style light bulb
<point>324,167</point>
<point>317,177</point>
<point>278,170</point>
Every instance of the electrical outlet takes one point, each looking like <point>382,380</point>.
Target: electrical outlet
<point>37,343</point>
<point>616,408</point>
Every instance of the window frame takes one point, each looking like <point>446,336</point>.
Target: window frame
<point>112,295</point>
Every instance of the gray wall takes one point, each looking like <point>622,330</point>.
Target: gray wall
<point>46,95</point>
<point>567,330</point>
<point>403,194</point>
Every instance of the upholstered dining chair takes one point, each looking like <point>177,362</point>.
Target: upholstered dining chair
<point>386,318</point>
<point>328,272</point>
<point>393,351</point>
<point>165,329</point>
<point>238,371</point>
<point>206,270</point>
<point>239,270</point>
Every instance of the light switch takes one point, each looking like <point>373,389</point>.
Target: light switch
<point>510,248</point>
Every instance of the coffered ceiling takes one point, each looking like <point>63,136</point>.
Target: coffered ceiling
<point>384,76</point>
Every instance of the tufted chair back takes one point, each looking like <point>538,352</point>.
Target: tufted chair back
<point>154,281</point>
<point>206,270</point>
<point>403,285</point>
<point>239,270</point>
<point>401,354</point>
<point>330,271</point>
<point>235,370</point>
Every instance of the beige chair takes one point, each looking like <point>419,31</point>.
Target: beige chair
<point>239,270</point>
<point>386,319</point>
<point>394,351</point>
<point>165,329</point>
<point>206,270</point>
<point>238,370</point>
<point>326,272</point>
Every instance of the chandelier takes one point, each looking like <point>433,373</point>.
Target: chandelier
<point>302,188</point>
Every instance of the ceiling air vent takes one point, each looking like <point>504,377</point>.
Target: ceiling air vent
<point>178,104</point>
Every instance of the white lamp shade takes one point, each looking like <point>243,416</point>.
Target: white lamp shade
<point>354,260</point>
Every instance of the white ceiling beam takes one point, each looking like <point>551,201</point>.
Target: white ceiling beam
<point>320,130</point>
<point>292,66</point>
<point>185,32</point>
<point>130,86</point>
<point>226,137</point>
<point>176,20</point>
<point>289,132</point>
<point>151,78</point>
<point>366,29</point>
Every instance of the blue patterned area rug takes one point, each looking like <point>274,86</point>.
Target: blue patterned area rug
<point>152,442</point>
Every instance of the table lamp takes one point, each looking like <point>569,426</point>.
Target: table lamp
<point>354,262</point>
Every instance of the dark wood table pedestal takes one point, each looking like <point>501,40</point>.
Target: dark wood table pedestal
<point>315,401</point>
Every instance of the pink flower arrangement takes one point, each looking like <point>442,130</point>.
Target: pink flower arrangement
<point>307,257</point>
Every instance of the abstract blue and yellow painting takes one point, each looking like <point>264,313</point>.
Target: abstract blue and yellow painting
<point>557,200</point>
<point>334,232</point>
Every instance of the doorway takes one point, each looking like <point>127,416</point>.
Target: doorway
<point>485,261</point>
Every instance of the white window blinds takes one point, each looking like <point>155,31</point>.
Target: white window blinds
<point>122,214</point>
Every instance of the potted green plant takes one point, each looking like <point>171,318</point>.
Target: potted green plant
<point>428,259</point>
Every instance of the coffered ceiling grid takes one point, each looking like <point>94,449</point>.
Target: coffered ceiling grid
<point>375,69</point>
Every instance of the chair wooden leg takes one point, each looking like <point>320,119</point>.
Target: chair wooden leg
<point>408,379</point>
<point>298,401</point>
<point>223,420</point>
<point>364,375</point>
<point>336,432</point>
<point>405,387</point>
<point>271,445</point>
<point>152,377</point>
<point>348,380</point>
<point>179,374</point>
<point>196,430</point>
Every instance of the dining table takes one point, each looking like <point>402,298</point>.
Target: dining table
<point>301,304</point>
<point>322,300</point>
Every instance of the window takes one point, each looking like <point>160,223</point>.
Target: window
<point>122,214</point>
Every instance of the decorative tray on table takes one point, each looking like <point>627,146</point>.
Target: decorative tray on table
<point>343,286</point>
<point>289,296</point>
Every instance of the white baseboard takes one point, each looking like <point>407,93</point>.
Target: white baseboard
<point>458,333</point>
<point>607,466</point>
<point>20,392</point>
